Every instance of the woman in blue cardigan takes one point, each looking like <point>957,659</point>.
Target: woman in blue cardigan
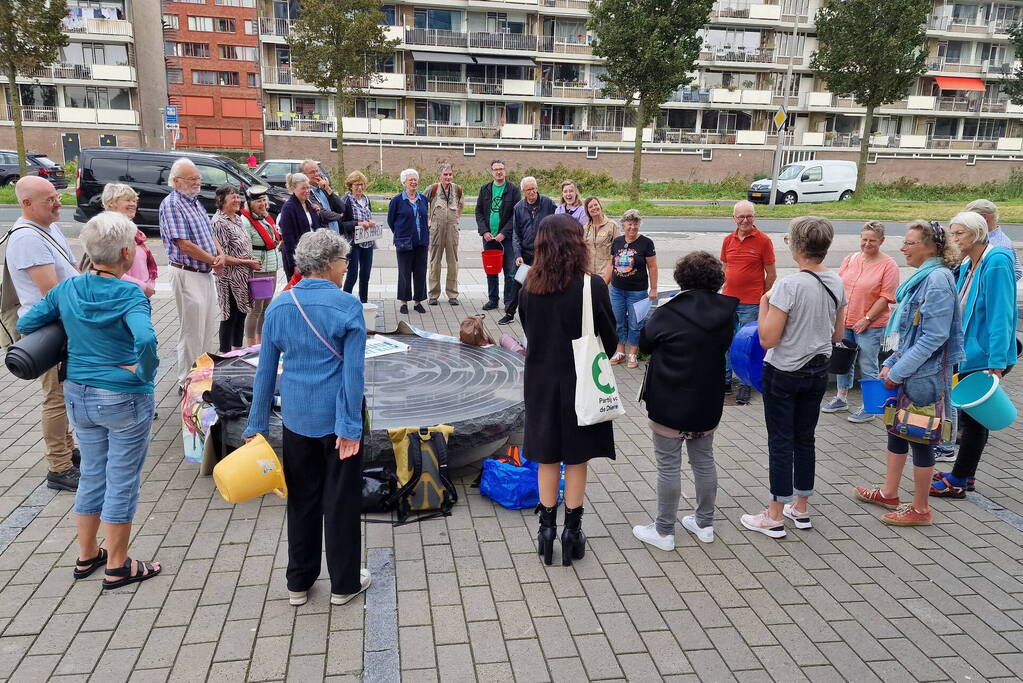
<point>408,217</point>
<point>298,216</point>
<point>987,296</point>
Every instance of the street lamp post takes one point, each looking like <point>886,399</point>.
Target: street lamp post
<point>380,130</point>
<point>789,124</point>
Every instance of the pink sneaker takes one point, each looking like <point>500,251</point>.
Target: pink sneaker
<point>775,528</point>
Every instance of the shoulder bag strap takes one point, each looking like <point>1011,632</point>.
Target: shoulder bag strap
<point>587,308</point>
<point>827,289</point>
<point>47,237</point>
<point>313,327</point>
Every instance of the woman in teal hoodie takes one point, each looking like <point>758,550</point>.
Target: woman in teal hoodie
<point>987,296</point>
<point>111,367</point>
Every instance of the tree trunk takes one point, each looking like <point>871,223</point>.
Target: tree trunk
<point>339,135</point>
<point>861,163</point>
<point>19,132</point>
<point>637,152</point>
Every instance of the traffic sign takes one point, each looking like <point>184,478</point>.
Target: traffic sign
<point>170,115</point>
<point>780,117</point>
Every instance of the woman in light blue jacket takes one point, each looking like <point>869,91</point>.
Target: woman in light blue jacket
<point>987,298</point>
<point>925,332</point>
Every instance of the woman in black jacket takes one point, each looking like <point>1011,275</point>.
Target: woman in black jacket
<point>298,216</point>
<point>550,308</point>
<point>687,339</point>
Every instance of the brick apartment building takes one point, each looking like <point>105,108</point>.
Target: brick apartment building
<point>211,49</point>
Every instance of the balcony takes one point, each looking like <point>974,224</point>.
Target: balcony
<point>965,26</point>
<point>103,27</point>
<point>128,117</point>
<point>438,37</point>
<point>763,55</point>
<point>298,124</point>
<point>272,26</point>
<point>953,66</point>
<point>567,90</point>
<point>565,45</point>
<point>565,4</point>
<point>694,95</point>
<point>277,75</point>
<point>503,41</point>
<point>453,130</point>
<point>732,9</point>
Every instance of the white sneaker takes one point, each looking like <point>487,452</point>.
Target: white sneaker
<point>802,519</point>
<point>775,528</point>
<point>705,534</point>
<point>649,534</point>
<point>365,580</point>
<point>297,598</point>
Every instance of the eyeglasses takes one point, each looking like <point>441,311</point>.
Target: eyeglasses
<point>191,178</point>
<point>745,217</point>
<point>910,243</point>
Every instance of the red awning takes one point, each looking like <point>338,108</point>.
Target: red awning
<point>954,83</point>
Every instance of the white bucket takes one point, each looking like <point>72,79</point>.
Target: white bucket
<point>369,312</point>
<point>520,274</point>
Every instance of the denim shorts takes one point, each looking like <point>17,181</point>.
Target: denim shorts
<point>113,431</point>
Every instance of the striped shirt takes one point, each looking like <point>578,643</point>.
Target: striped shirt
<point>182,218</point>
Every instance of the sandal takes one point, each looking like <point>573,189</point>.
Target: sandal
<point>123,575</point>
<point>971,482</point>
<point>90,565</point>
<point>943,488</point>
<point>633,361</point>
<point>617,358</point>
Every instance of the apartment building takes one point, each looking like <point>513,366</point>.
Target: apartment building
<point>212,73</point>
<point>89,96</point>
<point>520,76</point>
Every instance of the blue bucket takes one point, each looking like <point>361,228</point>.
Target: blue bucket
<point>875,395</point>
<point>983,399</point>
<point>747,356</point>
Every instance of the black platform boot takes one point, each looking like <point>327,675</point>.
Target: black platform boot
<point>547,533</point>
<point>573,540</point>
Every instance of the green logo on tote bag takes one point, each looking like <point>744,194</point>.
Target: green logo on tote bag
<point>597,370</point>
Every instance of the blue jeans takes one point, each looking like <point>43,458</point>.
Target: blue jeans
<point>869,341</point>
<point>360,263</point>
<point>625,317</point>
<point>113,432</point>
<point>511,290</point>
<point>792,402</point>
<point>744,313</point>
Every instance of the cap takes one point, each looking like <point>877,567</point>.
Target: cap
<point>256,192</point>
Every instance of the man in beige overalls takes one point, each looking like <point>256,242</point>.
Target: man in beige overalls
<point>445,199</point>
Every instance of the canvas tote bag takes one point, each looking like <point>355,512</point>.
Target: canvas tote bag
<point>596,393</point>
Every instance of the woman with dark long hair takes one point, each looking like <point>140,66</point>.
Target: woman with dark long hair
<point>550,308</point>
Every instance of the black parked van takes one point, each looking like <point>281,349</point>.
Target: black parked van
<point>147,172</point>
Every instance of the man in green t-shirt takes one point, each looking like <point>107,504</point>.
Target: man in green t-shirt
<point>494,208</point>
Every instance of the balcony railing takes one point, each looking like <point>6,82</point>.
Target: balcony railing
<point>453,130</point>
<point>566,89</point>
<point>275,75</point>
<point>300,125</point>
<point>420,83</point>
<point>79,71</point>
<point>565,4</point>
<point>34,114</point>
<point>503,41</point>
<point>957,25</point>
<point>565,45</point>
<point>108,27</point>
<point>73,115</point>
<point>438,37</point>
<point>272,26</point>
<point>763,55</point>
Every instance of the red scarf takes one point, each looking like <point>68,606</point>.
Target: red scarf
<point>272,241</point>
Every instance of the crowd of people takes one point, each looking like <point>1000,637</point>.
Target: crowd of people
<point>955,315</point>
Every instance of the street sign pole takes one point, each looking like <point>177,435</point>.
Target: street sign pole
<point>783,112</point>
<point>170,123</point>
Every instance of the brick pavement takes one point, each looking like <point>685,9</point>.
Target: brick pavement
<point>469,600</point>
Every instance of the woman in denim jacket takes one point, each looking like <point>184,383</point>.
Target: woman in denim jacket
<point>987,297</point>
<point>926,333</point>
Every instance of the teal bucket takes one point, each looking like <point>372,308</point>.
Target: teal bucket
<point>983,399</point>
<point>875,395</point>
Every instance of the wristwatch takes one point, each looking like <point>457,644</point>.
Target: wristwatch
<point>869,319</point>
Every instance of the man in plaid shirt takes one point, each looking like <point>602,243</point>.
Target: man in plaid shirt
<point>194,256</point>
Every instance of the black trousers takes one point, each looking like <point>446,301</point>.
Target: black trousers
<point>232,330</point>
<point>412,274</point>
<point>324,498</point>
<point>972,441</point>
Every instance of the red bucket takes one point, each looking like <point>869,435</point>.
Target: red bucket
<point>493,260</point>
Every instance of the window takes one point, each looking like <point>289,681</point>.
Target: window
<point>240,52</point>
<point>250,27</point>
<point>204,77</point>
<point>94,53</point>
<point>213,176</point>
<point>789,48</point>
<point>440,19</point>
<point>984,129</point>
<point>236,3</point>
<point>172,49</point>
<point>251,81</point>
<point>227,78</point>
<point>170,22</point>
<point>88,97</point>
<point>225,26</point>
<point>390,15</point>
<point>38,95</point>
<point>812,175</point>
<point>106,170</point>
<point>175,76</point>
<point>193,2</point>
<point>149,172</point>
<point>200,24</point>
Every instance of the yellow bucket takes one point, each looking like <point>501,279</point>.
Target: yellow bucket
<point>249,472</point>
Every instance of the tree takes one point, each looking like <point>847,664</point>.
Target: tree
<point>650,48</point>
<point>873,50</point>
<point>1013,84</point>
<point>336,46</point>
<point>31,35</point>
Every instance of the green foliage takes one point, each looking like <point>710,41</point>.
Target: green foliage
<point>336,45</point>
<point>31,36</point>
<point>1013,85</point>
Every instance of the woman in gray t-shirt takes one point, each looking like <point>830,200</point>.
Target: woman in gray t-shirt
<point>799,320</point>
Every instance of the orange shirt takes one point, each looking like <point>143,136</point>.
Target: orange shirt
<point>745,261</point>
<point>865,283</point>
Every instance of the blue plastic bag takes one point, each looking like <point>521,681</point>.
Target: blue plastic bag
<point>512,486</point>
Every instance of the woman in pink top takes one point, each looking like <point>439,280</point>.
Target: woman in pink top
<point>871,279</point>
<point>124,200</point>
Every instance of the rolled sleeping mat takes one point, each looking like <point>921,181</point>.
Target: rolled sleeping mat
<point>35,353</point>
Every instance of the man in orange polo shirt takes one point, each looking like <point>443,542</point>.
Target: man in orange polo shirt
<point>748,256</point>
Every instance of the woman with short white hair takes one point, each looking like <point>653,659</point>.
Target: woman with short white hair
<point>987,298</point>
<point>111,368</point>
<point>298,216</point>
<point>143,272</point>
<point>408,216</point>
<point>321,334</point>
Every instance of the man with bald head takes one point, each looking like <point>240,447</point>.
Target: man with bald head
<point>194,256</point>
<point>38,259</point>
<point>748,256</point>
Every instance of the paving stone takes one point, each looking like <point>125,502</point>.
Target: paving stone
<point>270,658</point>
<point>527,661</point>
<point>417,648</point>
<point>206,624</point>
<point>455,663</point>
<point>35,668</point>
<point>569,670</point>
<point>193,662</point>
<point>83,653</point>
<point>115,666</point>
<point>413,608</point>
<point>487,642</point>
<point>162,647</point>
<point>597,656</point>
<point>666,653</point>
<point>306,668</point>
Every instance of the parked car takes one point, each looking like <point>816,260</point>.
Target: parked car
<point>826,180</point>
<point>274,172</point>
<point>37,164</point>
<point>147,171</point>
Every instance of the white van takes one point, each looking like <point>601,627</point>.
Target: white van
<point>826,180</point>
